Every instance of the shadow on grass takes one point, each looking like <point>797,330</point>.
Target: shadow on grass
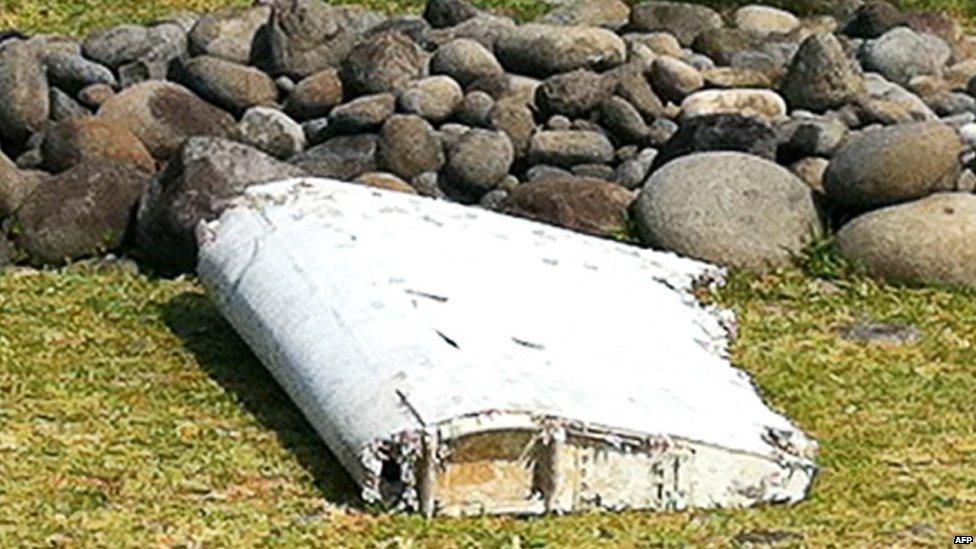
<point>227,359</point>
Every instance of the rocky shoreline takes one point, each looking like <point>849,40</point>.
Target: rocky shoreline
<point>735,138</point>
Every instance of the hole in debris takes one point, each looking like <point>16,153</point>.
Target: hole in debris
<point>391,471</point>
<point>449,341</point>
<point>391,481</point>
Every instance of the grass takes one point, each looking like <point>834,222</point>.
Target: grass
<point>132,415</point>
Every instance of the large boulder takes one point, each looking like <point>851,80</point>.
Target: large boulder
<point>92,139</point>
<point>197,185</point>
<point>163,115</point>
<point>586,205</point>
<point>234,34</point>
<point>543,50</point>
<point>728,208</point>
<point>821,75</point>
<point>902,54</point>
<point>229,85</point>
<point>385,62</point>
<point>684,20</point>
<point>928,240</point>
<point>894,164</point>
<point>24,102</point>
<point>80,212</point>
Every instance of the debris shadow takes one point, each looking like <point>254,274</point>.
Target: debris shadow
<point>228,361</point>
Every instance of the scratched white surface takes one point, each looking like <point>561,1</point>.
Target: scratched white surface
<point>352,296</point>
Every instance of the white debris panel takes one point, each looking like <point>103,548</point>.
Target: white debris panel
<point>459,361</point>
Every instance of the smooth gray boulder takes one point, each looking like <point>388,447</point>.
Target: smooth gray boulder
<point>728,208</point>
<point>889,165</point>
<point>902,54</point>
<point>570,147</point>
<point>543,50</point>
<point>925,241</point>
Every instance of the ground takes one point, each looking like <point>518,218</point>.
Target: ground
<point>132,415</point>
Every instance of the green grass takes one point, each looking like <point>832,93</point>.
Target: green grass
<point>132,415</point>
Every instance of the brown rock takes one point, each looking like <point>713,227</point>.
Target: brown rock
<point>387,181</point>
<point>383,63</point>
<point>591,206</point>
<point>315,96</point>
<point>408,147</point>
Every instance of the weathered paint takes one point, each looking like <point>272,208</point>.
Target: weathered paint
<point>459,361</point>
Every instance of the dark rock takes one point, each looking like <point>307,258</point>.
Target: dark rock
<point>197,185</point>
<point>117,45</point>
<point>632,173</point>
<point>465,61</point>
<point>631,84</point>
<point>821,76</point>
<point>623,120</point>
<point>24,96</point>
<point>343,158</point>
<point>927,241</point>
<point>589,206</point>
<point>890,165</point>
<point>720,44</point>
<point>478,162</point>
<point>229,85</point>
<point>316,95</point>
<point>163,115</point>
<point>91,139</point>
<point>64,107</point>
<point>235,34</point>
<point>873,19</point>
<point>720,132</point>
<point>272,131</point>
<point>573,93</point>
<point>448,13</point>
<point>685,21</point>
<point>485,29</point>
<point>728,208</point>
<point>543,50</point>
<point>568,148</point>
<point>96,95</point>
<point>475,109</point>
<point>411,26</point>
<point>382,63</point>
<point>514,117</point>
<point>408,146</point>
<point>812,136</point>
<point>81,212</point>
<point>363,114</point>
<point>73,72</point>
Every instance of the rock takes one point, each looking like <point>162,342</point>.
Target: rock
<point>632,85</point>
<point>611,14</point>
<point>573,93</point>
<point>811,171</point>
<point>478,162</point>
<point>765,104</point>
<point>543,50</point>
<point>448,13</point>
<point>928,240</point>
<point>413,27</point>
<point>514,117</point>
<point>812,136</point>
<point>15,186</point>
<point>950,103</point>
<point>485,29</point>
<point>465,61</point>
<point>80,212</point>
<point>494,200</point>
<point>674,79</point>
<point>631,173</point>
<point>163,115</point>
<point>96,95</point>
<point>233,34</point>
<point>117,45</point>
<point>363,114</point>
<point>63,106</point>
<point>594,171</point>
<point>720,132</point>
<point>475,109</point>
<point>821,76</point>
<point>874,18</point>
<point>623,120</point>
<point>731,77</point>
<point>315,96</point>
<point>660,43</point>
<point>385,62</point>
<point>902,54</point>
<point>387,181</point>
<point>434,98</point>
<point>197,185</point>
<point>307,36</point>
<point>427,184</point>
<point>881,332</point>
<point>343,158</point>
<point>567,148</point>
<point>91,139</point>
<point>24,95</point>
<point>722,44</point>
<point>888,103</point>
<point>408,146</point>
<point>728,208</point>
<point>450,134</point>
<point>543,171</point>
<point>272,131</point>
<point>685,21</point>
<point>890,165</point>
<point>586,205</point>
<point>764,20</point>
<point>73,72</point>
<point>229,85</point>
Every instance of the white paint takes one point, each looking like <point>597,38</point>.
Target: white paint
<point>357,299</point>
